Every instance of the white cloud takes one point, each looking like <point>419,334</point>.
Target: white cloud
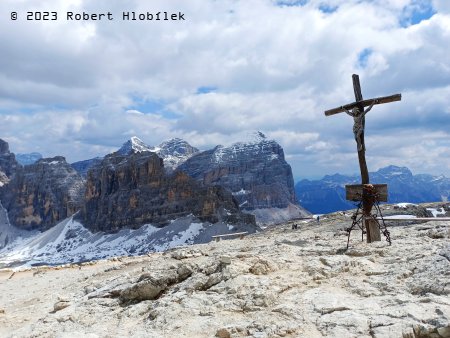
<point>442,6</point>
<point>81,88</point>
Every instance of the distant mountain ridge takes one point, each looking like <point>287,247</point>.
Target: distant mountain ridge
<point>173,152</point>
<point>27,159</point>
<point>328,194</point>
<point>82,167</point>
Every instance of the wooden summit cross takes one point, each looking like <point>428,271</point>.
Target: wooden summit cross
<point>365,191</point>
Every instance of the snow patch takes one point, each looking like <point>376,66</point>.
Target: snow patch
<point>399,216</point>
<point>70,242</point>
<point>174,152</point>
<point>269,216</point>
<point>273,156</point>
<point>218,154</point>
<point>405,205</point>
<point>242,204</point>
<point>186,237</point>
<point>436,212</point>
<point>241,192</point>
<point>133,145</point>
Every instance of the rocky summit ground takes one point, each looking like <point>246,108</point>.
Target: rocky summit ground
<point>282,282</point>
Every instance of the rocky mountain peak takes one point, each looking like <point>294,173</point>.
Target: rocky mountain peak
<point>176,146</point>
<point>8,163</point>
<point>133,145</point>
<point>254,144</point>
<point>393,170</point>
<point>252,140</point>
<point>4,147</point>
<point>255,137</point>
<point>254,171</point>
<point>174,152</point>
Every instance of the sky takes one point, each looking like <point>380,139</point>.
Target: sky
<point>82,88</point>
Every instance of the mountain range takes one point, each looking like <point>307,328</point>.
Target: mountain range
<point>144,197</point>
<point>30,158</point>
<point>328,194</point>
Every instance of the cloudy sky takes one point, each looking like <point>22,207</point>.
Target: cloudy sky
<point>82,88</point>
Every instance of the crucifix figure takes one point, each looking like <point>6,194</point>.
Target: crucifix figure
<point>358,123</point>
<point>358,111</point>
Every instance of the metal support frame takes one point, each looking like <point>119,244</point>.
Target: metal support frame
<point>358,218</point>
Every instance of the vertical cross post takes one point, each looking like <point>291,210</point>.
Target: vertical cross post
<point>372,230</point>
<point>362,151</point>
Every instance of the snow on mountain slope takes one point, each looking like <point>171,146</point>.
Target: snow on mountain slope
<point>71,242</point>
<point>255,144</point>
<point>174,152</point>
<point>270,216</point>
<point>9,233</point>
<point>134,144</point>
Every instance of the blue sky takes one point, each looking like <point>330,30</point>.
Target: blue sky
<point>81,89</point>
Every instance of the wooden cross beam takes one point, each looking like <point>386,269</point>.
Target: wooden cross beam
<point>364,103</point>
<point>358,110</point>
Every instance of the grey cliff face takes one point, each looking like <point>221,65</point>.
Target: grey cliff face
<point>255,172</point>
<point>42,194</point>
<point>82,167</point>
<point>133,190</point>
<point>8,163</point>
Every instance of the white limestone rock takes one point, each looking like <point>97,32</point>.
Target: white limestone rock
<point>280,283</point>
